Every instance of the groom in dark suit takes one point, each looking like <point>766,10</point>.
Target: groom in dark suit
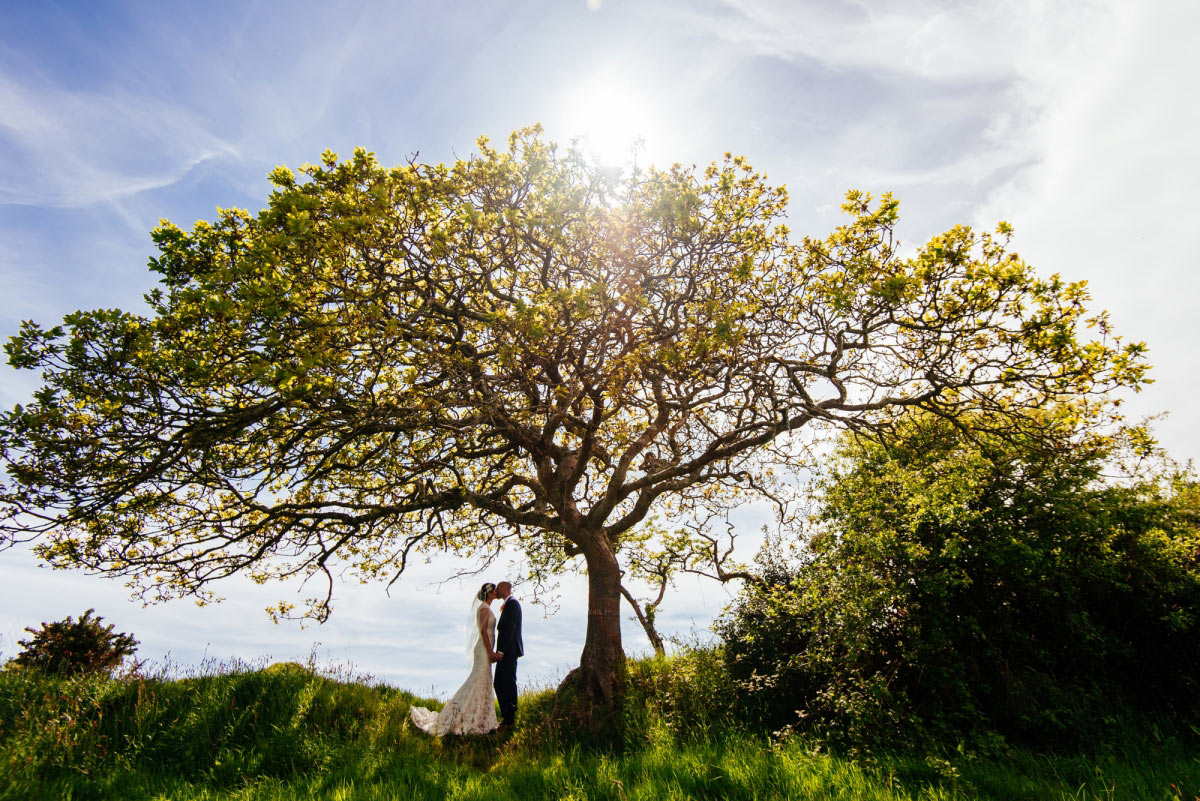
<point>508,642</point>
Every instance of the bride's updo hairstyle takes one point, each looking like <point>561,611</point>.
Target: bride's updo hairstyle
<point>485,589</point>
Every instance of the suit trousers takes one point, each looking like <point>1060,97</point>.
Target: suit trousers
<point>505,682</point>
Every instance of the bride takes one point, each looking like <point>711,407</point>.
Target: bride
<point>472,710</point>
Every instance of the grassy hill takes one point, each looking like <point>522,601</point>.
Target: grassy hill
<point>292,732</point>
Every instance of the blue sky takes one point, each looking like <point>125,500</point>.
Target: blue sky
<point>1073,120</point>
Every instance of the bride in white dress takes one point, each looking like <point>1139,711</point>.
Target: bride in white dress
<point>472,710</point>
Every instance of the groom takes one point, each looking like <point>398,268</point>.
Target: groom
<point>508,642</point>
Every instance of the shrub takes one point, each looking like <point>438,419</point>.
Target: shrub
<point>680,699</point>
<point>961,587</point>
<point>68,647</point>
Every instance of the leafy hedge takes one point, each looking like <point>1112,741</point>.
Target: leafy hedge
<point>962,587</point>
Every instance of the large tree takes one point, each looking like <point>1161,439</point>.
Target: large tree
<point>520,348</point>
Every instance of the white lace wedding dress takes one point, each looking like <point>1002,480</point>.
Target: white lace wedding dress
<point>472,710</point>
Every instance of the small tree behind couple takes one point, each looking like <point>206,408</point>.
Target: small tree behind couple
<point>472,709</point>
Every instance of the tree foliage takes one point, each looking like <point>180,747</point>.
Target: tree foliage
<point>67,647</point>
<point>519,349</point>
<point>959,585</point>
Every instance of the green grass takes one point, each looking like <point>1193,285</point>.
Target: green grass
<point>292,732</point>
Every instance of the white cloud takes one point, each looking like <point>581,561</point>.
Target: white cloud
<point>927,39</point>
<point>1109,192</point>
<point>930,89</point>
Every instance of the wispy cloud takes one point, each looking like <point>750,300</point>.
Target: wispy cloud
<point>64,147</point>
<point>1110,194</point>
<point>938,92</point>
<point>922,38</point>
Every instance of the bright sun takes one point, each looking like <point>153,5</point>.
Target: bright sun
<point>610,117</point>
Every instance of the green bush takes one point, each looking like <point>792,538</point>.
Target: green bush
<point>679,699</point>
<point>68,647</point>
<point>962,587</point>
<point>668,701</point>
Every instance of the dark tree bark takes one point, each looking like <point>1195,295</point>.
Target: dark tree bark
<point>600,676</point>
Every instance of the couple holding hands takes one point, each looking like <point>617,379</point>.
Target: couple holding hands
<point>472,709</point>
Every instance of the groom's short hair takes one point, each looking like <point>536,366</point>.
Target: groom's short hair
<point>506,584</point>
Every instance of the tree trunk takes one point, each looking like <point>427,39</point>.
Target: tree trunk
<point>590,692</point>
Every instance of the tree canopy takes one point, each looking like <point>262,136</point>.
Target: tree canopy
<point>519,348</point>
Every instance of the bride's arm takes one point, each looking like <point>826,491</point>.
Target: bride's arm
<point>484,634</point>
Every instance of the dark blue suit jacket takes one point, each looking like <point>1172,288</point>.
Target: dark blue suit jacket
<point>508,630</point>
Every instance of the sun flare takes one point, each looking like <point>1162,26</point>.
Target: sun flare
<point>611,118</point>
